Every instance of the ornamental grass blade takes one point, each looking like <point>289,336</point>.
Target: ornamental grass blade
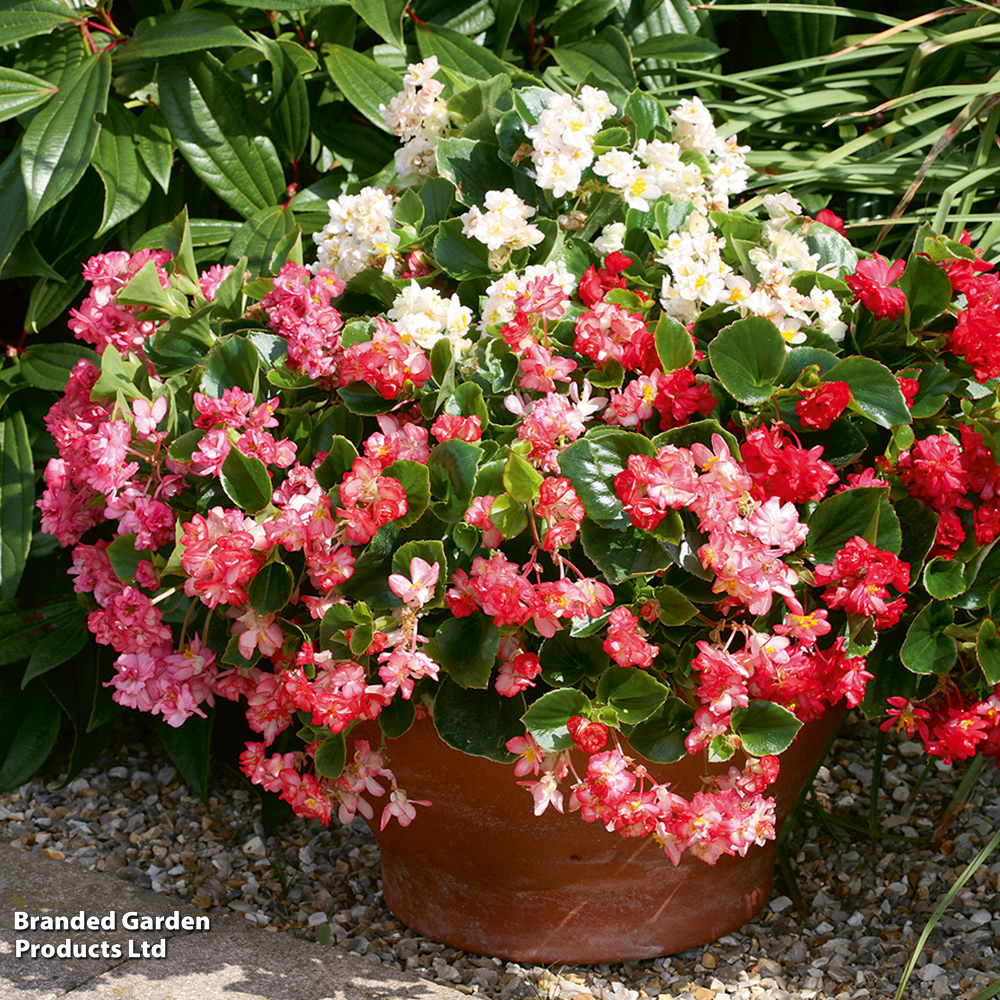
<point>206,111</point>
<point>60,140</point>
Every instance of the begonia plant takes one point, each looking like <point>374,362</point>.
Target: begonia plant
<point>557,444</point>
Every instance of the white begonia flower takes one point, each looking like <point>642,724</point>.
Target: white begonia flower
<point>359,235</point>
<point>498,302</point>
<point>619,166</point>
<point>425,316</point>
<point>503,224</point>
<point>611,239</point>
<point>418,116</point>
<point>781,207</point>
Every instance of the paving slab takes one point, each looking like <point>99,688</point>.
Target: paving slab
<point>68,932</point>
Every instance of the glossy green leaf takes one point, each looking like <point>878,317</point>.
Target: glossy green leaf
<point>988,650</point>
<point>928,649</point>
<point>674,608</point>
<point>289,104</point>
<point>20,20</point>
<point>874,390</point>
<point>567,659</point>
<point>127,182</point>
<point>365,84</point>
<point>397,717</point>
<point>605,56</point>
<point>189,747</point>
<point>927,289</point>
<point>246,482</point>
<point>415,480</point>
<point>747,356</point>
<point>17,498</point>
<point>918,524</point>
<point>331,756</point>
<point>452,466</point>
<point>13,204</point>
<point>634,694</point>
<point>20,629</point>
<point>506,14</point>
<point>56,648</point>
<point>271,588</point>
<point>384,17</point>
<point>59,142</point>
<point>474,168</point>
<point>458,255</point>
<point>180,31</point>
<point>233,361</point>
<point>21,92</point>
<point>341,455</point>
<point>626,552</point>
<point>125,557</point>
<point>521,479</point>
<point>458,52</point>
<point>661,737</point>
<point>591,465</point>
<point>477,722</point>
<point>863,511</point>
<point>944,578</point>
<point>677,48</point>
<point>156,145</point>
<point>547,717</point>
<point>648,114</point>
<point>47,366</point>
<point>49,300</point>
<point>674,345</point>
<point>508,515</point>
<point>765,728</point>
<point>466,649</point>
<point>29,726</point>
<point>206,110</point>
<point>144,289</point>
<point>831,248</point>
<point>258,237</point>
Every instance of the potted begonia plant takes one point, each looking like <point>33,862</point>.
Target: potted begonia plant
<point>558,463</point>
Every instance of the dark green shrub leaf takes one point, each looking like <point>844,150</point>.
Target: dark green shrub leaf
<point>458,52</point>
<point>232,361</point>
<point>189,747</point>
<point>180,31</point>
<point>206,110</point>
<point>59,142</point>
<point>17,500</point>
<point>365,83</point>
<point>29,726</point>
<point>55,648</point>
<point>21,91</point>
<point>675,608</point>
<point>677,48</point>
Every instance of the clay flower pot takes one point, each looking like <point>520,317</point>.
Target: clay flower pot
<point>479,871</point>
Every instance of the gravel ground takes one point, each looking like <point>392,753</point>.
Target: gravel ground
<point>131,814</point>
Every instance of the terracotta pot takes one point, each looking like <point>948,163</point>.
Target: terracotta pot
<point>479,871</point>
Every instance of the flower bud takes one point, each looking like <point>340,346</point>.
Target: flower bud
<point>590,737</point>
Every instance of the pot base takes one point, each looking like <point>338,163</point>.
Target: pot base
<point>479,871</point>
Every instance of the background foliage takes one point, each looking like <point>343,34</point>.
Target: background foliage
<point>114,119</point>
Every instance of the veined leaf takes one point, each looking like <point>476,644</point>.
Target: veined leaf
<point>21,92</point>
<point>677,48</point>
<point>259,236</point>
<point>384,17</point>
<point>17,488</point>
<point>365,84</point>
<point>207,114</point>
<point>13,204</point>
<point>456,51</point>
<point>20,20</point>
<point>116,158</point>
<point>60,140</point>
<point>289,104</point>
<point>180,31</point>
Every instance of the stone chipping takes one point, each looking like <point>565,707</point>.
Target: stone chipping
<point>132,815</point>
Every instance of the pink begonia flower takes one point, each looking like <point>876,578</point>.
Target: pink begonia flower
<point>147,415</point>
<point>419,589</point>
<point>401,807</point>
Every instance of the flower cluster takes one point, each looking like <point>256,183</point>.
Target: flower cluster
<point>625,481</point>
